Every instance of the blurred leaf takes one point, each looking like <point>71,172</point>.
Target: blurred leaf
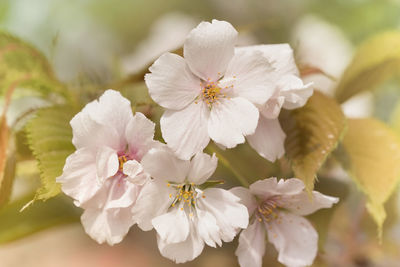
<point>375,61</point>
<point>50,139</point>
<point>20,61</point>
<point>395,118</point>
<point>312,133</point>
<point>15,224</point>
<point>373,162</point>
<point>7,162</point>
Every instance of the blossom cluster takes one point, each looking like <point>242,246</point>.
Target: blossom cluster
<point>121,176</point>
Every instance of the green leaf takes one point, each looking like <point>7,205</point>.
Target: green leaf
<point>373,162</point>
<point>23,64</point>
<point>39,216</point>
<point>375,61</point>
<point>50,139</point>
<point>312,133</point>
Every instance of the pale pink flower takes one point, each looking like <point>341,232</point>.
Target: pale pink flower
<point>289,93</point>
<point>277,208</point>
<point>104,175</point>
<point>212,92</point>
<point>184,214</point>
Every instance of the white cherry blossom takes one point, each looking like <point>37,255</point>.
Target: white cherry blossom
<point>184,215</point>
<point>212,92</point>
<point>289,93</point>
<point>277,209</point>
<point>104,175</point>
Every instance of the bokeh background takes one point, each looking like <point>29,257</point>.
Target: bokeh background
<point>92,43</point>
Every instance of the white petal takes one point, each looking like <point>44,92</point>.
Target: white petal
<point>186,131</point>
<point>280,54</point>
<point>302,204</point>
<point>231,120</point>
<point>246,198</point>
<point>79,179</point>
<point>153,201</point>
<point>139,134</point>
<point>87,132</point>
<point>251,76</point>
<point>295,92</point>
<point>271,187</point>
<point>202,166</point>
<point>273,106</point>
<point>268,139</point>
<point>251,246</point>
<point>102,122</point>
<point>132,168</point>
<point>225,207</point>
<point>183,251</point>
<point>171,83</point>
<point>173,227</point>
<point>207,228</point>
<point>165,166</point>
<point>209,48</point>
<point>295,239</point>
<point>106,163</point>
<point>107,225</point>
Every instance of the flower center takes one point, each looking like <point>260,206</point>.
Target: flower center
<point>186,195</point>
<point>211,92</point>
<point>268,210</point>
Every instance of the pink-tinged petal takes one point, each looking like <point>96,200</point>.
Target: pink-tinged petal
<point>171,83</point>
<point>164,166</point>
<point>107,163</point>
<point>87,132</point>
<point>231,216</point>
<point>186,131</point>
<point>209,48</point>
<point>114,111</point>
<point>294,238</point>
<point>202,166</point>
<point>302,204</point>
<point>268,139</point>
<point>280,54</point>
<point>183,251</point>
<point>122,193</point>
<point>251,248</point>
<point>153,201</point>
<point>79,179</point>
<point>246,198</point>
<point>115,192</point>
<point>139,135</point>
<point>102,122</point>
<point>251,76</point>
<point>295,92</point>
<point>107,225</point>
<point>231,120</point>
<point>172,227</point>
<point>272,187</point>
<point>208,229</point>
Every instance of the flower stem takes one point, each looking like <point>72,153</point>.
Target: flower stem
<point>227,165</point>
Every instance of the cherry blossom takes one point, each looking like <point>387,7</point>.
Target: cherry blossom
<point>184,214</point>
<point>211,93</point>
<point>277,208</point>
<point>104,175</point>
